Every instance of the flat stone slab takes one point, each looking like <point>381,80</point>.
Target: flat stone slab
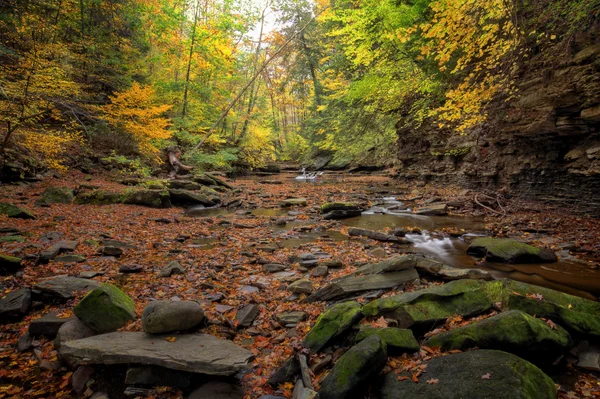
<point>64,287</point>
<point>196,353</point>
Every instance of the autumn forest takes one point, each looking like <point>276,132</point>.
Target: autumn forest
<point>334,199</point>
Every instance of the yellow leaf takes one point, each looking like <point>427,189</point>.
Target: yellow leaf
<point>170,339</point>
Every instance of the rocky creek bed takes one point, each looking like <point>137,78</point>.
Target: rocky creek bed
<point>348,287</point>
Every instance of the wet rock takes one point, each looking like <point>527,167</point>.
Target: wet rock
<point>338,206</point>
<point>47,325</point>
<point>509,251</point>
<point>59,247</point>
<point>332,323</point>
<point>105,309</point>
<point>157,376</point>
<point>9,264</point>
<point>433,210</point>
<point>196,353</point>
<point>15,304</point>
<point>465,375</point>
<point>438,270</point>
<point>13,211</point>
<point>375,235</point>
<point>302,286</point>
<point>421,310</point>
<point>162,317</point>
<point>290,318</point>
<point>293,202</point>
<point>63,288</point>
<point>57,195</point>
<point>25,342</point>
<point>112,251</point>
<point>70,258</point>
<point>513,331</point>
<point>354,369</point>
<point>398,340</point>
<point>273,268</point>
<point>172,268</point>
<point>217,390</point>
<point>131,269</point>
<point>319,271</point>
<point>71,330</point>
<point>246,315</point>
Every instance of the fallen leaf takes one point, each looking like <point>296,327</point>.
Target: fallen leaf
<point>403,378</point>
<point>170,339</point>
<point>433,381</point>
<point>487,376</point>
<point>551,324</point>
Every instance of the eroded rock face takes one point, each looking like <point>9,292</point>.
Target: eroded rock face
<point>196,353</point>
<point>513,331</point>
<point>161,317</point>
<point>105,309</point>
<point>462,376</point>
<point>509,251</point>
<point>354,368</point>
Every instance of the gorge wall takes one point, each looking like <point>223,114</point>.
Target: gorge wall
<point>544,145</point>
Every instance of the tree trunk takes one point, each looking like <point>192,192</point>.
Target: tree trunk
<point>189,65</point>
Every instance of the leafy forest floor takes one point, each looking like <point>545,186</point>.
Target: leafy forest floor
<point>223,253</point>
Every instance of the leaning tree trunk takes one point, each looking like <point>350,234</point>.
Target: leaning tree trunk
<point>173,155</point>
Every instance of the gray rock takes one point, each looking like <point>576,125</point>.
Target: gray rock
<point>287,318</point>
<point>149,198</point>
<point>302,286</point>
<point>57,195</point>
<point>246,315</point>
<point>185,197</point>
<point>293,202</point>
<point>15,304</point>
<point>273,268</point>
<point>483,373</point>
<point>118,244</point>
<point>157,376</point>
<point>172,268</point>
<point>354,369</point>
<point>61,246</point>
<point>509,251</point>
<point>9,264</point>
<point>196,353</point>
<point>72,330</point>
<point>342,214</point>
<point>47,325</point>
<point>91,274</point>
<point>375,235</point>
<point>112,251</point>
<point>80,378</point>
<point>448,273</point>
<point>162,317</point>
<point>24,342</point>
<point>433,210</point>
<point>70,258</point>
<point>217,390</point>
<point>319,271</point>
<point>131,269</point>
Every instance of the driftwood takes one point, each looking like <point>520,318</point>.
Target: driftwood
<point>173,154</point>
<point>497,199</point>
<point>305,371</point>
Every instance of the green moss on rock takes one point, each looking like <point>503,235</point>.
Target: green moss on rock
<point>397,340</point>
<point>509,251</point>
<point>13,211</point>
<point>99,197</point>
<point>149,198</point>
<point>332,323</point>
<point>57,195</point>
<point>354,368</point>
<point>105,309</point>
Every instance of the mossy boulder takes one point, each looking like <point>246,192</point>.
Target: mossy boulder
<point>203,179</point>
<point>286,203</point>
<point>354,369</point>
<point>398,340</point>
<point>506,250</point>
<point>57,195</point>
<point>13,211</point>
<point>464,376</point>
<point>149,198</point>
<point>16,238</point>
<point>423,309</point>
<point>513,331</point>
<point>105,309</point>
<point>338,206</point>
<point>185,197</point>
<point>335,321</point>
<point>99,197</point>
<point>9,264</point>
<point>578,315</point>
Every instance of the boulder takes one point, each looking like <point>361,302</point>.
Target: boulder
<point>506,250</point>
<point>342,214</point>
<point>302,286</point>
<point>351,372</point>
<point>286,203</point>
<point>486,374</point>
<point>196,353</point>
<point>47,325</point>
<point>185,197</point>
<point>217,390</point>
<point>70,258</point>
<point>9,264</point>
<point>57,195</point>
<point>319,271</point>
<point>398,340</point>
<point>426,266</point>
<point>513,331</point>
<point>338,206</point>
<point>13,211</point>
<point>376,235</point>
<point>112,251</point>
<point>149,198</point>
<point>99,197</point>
<point>15,304</point>
<point>71,330</point>
<point>63,288</point>
<point>433,210</point>
<point>203,179</point>
<point>162,317</point>
<point>105,309</point>
<point>157,376</point>
<point>332,323</point>
<point>172,268</point>
<point>246,315</point>
<point>421,310</point>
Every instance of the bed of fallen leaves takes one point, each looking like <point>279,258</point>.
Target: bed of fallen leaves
<point>223,252</point>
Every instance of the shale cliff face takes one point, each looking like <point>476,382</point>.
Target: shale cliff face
<point>544,145</point>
